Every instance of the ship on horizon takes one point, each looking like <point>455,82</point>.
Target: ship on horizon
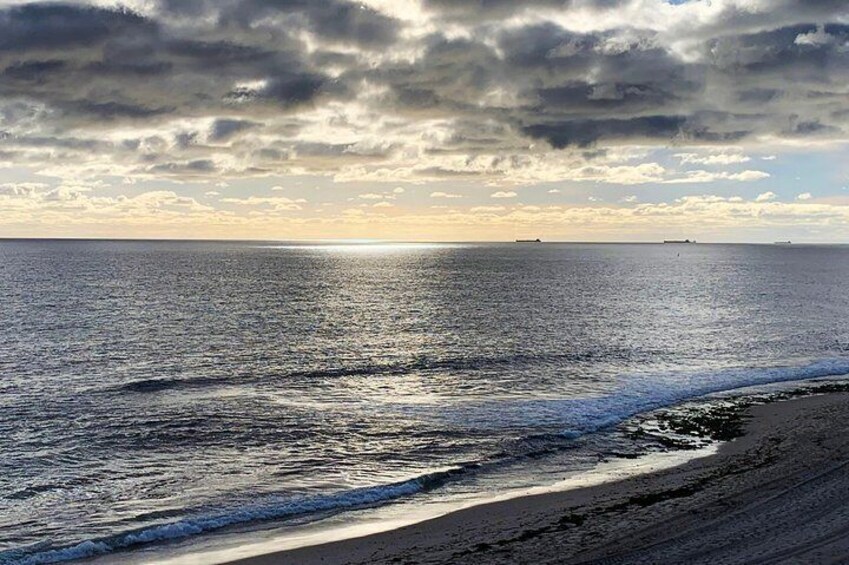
<point>537,240</point>
<point>679,241</point>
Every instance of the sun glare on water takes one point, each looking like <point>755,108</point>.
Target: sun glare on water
<point>364,247</point>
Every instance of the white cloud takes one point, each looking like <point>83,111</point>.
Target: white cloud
<point>702,176</point>
<point>814,38</point>
<point>439,194</point>
<point>766,197</point>
<point>21,208</point>
<point>629,199</point>
<point>503,194</point>
<point>804,196</point>
<point>370,196</point>
<point>276,202</point>
<point>517,170</point>
<point>714,159</point>
<point>747,176</point>
<point>383,204</point>
<point>554,191</point>
<point>398,190</point>
<point>28,189</point>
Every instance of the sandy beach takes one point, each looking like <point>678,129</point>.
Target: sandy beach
<point>779,493</point>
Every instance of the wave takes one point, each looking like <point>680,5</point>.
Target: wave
<point>388,369</point>
<point>637,394</point>
<point>273,509</point>
<point>573,418</point>
<point>645,394</point>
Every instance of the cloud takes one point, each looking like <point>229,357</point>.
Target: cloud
<point>747,176</point>
<point>583,133</point>
<point>35,205</point>
<point>440,194</point>
<point>702,176</point>
<point>814,38</point>
<point>277,203</point>
<point>766,197</point>
<point>500,92</point>
<point>713,159</point>
<point>223,129</point>
<point>804,196</point>
<point>503,194</point>
<point>23,189</point>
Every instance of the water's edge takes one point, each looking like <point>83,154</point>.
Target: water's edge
<point>362,512</point>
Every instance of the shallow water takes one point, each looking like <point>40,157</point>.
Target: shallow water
<point>150,391</point>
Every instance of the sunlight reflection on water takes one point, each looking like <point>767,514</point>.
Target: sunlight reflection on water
<point>365,247</point>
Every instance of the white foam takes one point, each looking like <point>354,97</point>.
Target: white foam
<point>271,509</point>
<point>636,394</point>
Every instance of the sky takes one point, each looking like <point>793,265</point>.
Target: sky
<point>582,120</point>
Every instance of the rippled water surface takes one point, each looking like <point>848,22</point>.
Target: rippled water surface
<point>156,390</point>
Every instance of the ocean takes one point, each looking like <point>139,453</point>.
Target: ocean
<point>162,392</point>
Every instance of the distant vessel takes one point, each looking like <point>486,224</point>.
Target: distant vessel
<point>679,241</point>
<point>783,243</point>
<point>537,240</point>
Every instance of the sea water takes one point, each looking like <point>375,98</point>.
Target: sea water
<point>153,392</point>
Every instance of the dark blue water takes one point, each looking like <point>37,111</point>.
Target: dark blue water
<point>150,391</point>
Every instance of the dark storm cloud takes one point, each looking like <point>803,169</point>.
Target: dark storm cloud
<point>63,26</point>
<point>111,110</point>
<point>223,129</point>
<point>476,10</point>
<point>585,132</point>
<point>449,78</point>
<point>577,89</point>
<point>504,74</point>
<point>32,70</point>
<point>191,167</point>
<point>99,63</point>
<point>337,20</point>
<point>634,85</point>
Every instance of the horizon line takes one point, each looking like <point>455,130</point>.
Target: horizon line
<point>367,241</point>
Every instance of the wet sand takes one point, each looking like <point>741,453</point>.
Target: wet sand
<point>779,493</point>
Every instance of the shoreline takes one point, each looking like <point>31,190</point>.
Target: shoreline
<point>788,463</point>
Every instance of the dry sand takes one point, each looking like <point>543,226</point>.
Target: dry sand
<point>779,494</point>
